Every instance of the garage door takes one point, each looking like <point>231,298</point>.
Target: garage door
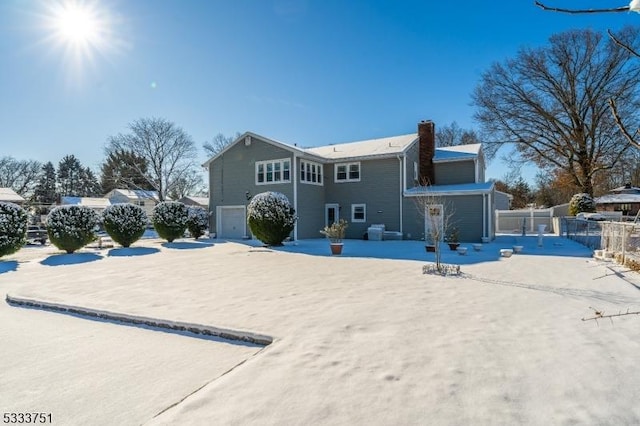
<point>232,222</point>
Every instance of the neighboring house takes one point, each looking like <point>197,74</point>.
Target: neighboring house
<point>10,196</point>
<point>96,204</point>
<point>503,200</point>
<point>366,182</point>
<point>145,199</point>
<point>195,201</point>
<point>625,199</point>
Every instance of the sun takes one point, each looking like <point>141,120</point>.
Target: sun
<point>76,24</point>
<point>79,34</point>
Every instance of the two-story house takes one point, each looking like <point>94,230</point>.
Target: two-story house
<point>367,182</point>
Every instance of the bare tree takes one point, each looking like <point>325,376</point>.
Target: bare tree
<point>438,220</point>
<point>453,135</point>
<point>168,150</point>
<point>19,175</point>
<point>218,143</point>
<point>190,183</point>
<point>632,136</point>
<point>551,103</point>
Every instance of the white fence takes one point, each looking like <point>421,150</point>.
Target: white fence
<point>524,221</point>
<point>621,240</point>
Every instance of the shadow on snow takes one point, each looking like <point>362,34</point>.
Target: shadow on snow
<point>132,251</point>
<point>70,259</point>
<point>188,245</point>
<point>8,266</point>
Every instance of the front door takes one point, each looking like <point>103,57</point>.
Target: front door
<point>331,214</point>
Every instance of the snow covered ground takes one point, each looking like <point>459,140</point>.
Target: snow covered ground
<point>364,338</point>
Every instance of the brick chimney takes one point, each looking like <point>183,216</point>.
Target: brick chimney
<point>426,151</point>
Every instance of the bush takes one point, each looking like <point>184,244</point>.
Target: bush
<point>13,228</point>
<point>170,219</point>
<point>271,217</point>
<point>581,203</point>
<point>71,227</point>
<point>197,221</point>
<point>125,223</point>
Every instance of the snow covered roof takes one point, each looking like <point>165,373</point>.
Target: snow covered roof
<point>136,194</point>
<point>618,198</point>
<point>626,189</point>
<point>91,202</point>
<point>8,194</point>
<point>458,189</point>
<point>381,147</point>
<point>458,152</point>
<point>198,200</point>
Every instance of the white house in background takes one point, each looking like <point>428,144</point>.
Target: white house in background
<point>195,201</point>
<point>140,197</point>
<point>96,204</point>
<point>10,196</point>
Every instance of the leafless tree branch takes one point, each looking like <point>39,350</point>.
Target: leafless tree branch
<point>597,314</point>
<point>582,11</point>
<point>625,46</point>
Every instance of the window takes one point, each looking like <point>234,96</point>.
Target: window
<point>347,172</point>
<point>139,203</point>
<point>358,212</point>
<point>415,171</point>
<point>273,171</point>
<point>310,172</point>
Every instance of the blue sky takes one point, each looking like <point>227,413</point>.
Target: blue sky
<point>309,72</point>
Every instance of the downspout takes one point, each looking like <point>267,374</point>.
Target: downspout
<point>490,209</point>
<point>403,184</point>
<point>484,216</point>
<point>295,194</point>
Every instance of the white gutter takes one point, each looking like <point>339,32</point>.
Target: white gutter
<point>491,225</point>
<point>484,216</point>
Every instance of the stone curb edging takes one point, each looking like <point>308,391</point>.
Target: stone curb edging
<point>200,329</point>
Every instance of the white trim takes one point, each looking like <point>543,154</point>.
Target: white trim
<point>403,186</point>
<point>295,194</point>
<point>264,163</point>
<point>353,210</point>
<point>219,218</point>
<point>319,172</point>
<point>347,165</point>
<point>326,208</point>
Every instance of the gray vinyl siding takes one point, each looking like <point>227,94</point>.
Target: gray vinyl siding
<point>467,217</point>
<point>378,188</point>
<point>310,205</point>
<point>452,173</point>
<point>233,174</point>
<point>411,158</point>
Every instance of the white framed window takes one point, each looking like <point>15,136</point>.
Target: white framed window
<point>415,171</point>
<point>273,171</point>
<point>347,172</point>
<point>358,212</point>
<point>310,172</point>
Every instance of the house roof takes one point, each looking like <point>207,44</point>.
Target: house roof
<point>199,200</point>
<point>8,194</point>
<point>135,194</point>
<point>381,147</point>
<point>456,153</point>
<point>626,190</point>
<point>458,189</point>
<point>373,148</point>
<point>618,198</point>
<point>91,202</point>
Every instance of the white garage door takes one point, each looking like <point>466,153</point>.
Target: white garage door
<point>233,222</point>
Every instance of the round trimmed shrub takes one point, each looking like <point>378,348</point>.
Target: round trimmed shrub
<point>170,219</point>
<point>197,221</point>
<point>271,217</point>
<point>125,223</point>
<point>581,203</point>
<point>72,227</point>
<point>13,228</point>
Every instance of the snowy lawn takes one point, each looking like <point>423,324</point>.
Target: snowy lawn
<point>357,340</point>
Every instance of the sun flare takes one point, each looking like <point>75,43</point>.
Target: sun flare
<point>80,34</point>
<point>76,24</point>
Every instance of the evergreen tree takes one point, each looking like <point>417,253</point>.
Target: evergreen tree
<point>89,185</point>
<point>123,170</point>
<point>45,190</point>
<point>69,176</point>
